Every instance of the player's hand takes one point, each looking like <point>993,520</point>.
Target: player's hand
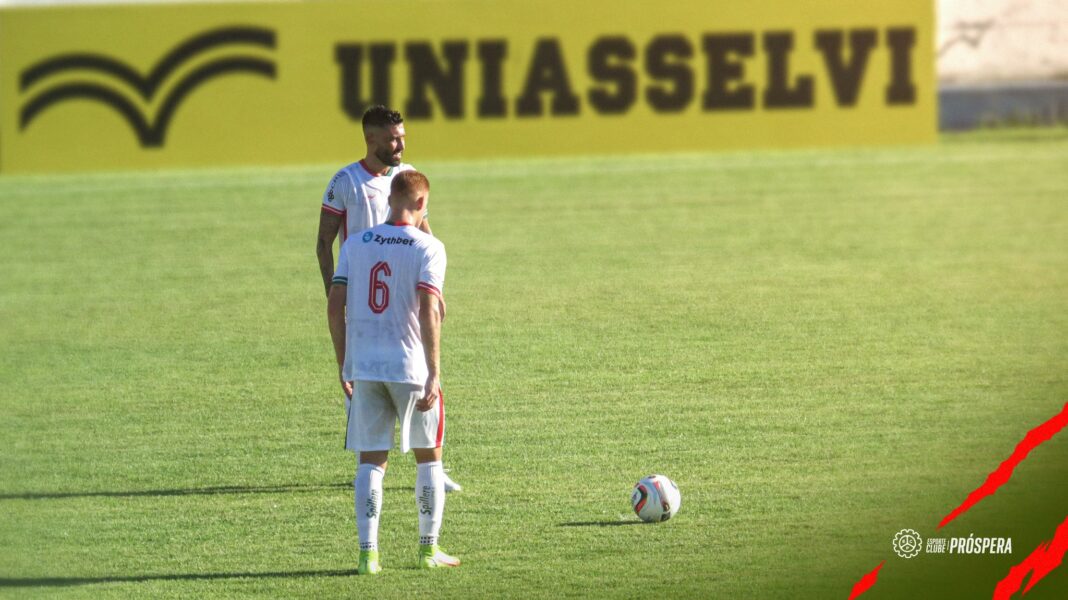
<point>430,394</point>
<point>346,386</point>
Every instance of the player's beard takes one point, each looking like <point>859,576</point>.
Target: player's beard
<point>387,158</point>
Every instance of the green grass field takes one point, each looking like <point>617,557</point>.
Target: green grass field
<point>821,348</point>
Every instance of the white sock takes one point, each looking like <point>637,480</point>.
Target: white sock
<point>368,486</point>
<point>430,500</point>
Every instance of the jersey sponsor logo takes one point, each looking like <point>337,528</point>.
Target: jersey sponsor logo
<point>390,241</point>
<point>333,182</point>
<point>120,80</point>
<point>367,237</point>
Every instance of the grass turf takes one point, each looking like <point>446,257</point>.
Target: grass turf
<point>820,347</point>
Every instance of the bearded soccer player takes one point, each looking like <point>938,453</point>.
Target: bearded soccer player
<point>356,197</point>
<point>384,311</point>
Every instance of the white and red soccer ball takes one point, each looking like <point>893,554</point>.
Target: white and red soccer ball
<point>655,498</point>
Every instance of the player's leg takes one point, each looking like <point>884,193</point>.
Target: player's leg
<point>371,421</point>
<point>368,484</point>
<point>430,500</point>
<point>426,433</point>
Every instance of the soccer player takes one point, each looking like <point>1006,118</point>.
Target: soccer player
<point>384,311</point>
<point>355,199</point>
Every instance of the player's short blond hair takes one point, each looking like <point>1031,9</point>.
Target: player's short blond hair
<point>408,184</point>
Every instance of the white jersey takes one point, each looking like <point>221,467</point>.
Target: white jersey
<point>360,197</point>
<point>384,267</point>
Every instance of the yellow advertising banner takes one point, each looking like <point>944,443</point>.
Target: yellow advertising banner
<point>149,86</point>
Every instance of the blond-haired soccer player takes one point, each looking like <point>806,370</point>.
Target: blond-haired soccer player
<point>384,311</point>
<point>355,198</point>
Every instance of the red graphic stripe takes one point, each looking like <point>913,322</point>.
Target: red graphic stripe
<point>1001,475</point>
<point>664,505</point>
<point>332,210</point>
<point>1040,563</point>
<point>644,496</point>
<point>866,582</point>
<point>422,285</point>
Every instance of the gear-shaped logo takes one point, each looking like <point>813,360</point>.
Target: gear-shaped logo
<point>907,543</point>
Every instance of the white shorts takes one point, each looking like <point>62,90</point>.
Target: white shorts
<point>377,406</point>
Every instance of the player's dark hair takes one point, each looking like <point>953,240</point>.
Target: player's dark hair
<point>380,116</point>
<point>408,183</point>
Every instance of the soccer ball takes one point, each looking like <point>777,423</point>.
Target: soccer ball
<point>655,498</point>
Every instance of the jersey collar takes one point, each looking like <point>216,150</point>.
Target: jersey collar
<point>363,163</point>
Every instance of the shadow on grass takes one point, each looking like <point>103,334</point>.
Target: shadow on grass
<point>28,582</point>
<point>205,491</point>
<point>600,523</point>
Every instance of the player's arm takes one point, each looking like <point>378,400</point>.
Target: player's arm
<point>329,226</point>
<point>425,226</point>
<point>335,318</point>
<point>430,332</point>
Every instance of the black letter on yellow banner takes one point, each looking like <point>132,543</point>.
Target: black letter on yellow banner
<point>778,45</point>
<point>901,90</point>
<point>448,83</point>
<point>608,62</point>
<point>547,73</point>
<point>350,56</point>
<point>846,77</point>
<point>722,71</point>
<point>492,54</point>
<point>677,72</point>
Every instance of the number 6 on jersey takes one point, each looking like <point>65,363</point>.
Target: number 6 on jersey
<point>378,291</point>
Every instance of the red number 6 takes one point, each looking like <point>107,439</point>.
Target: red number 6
<point>378,291</point>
